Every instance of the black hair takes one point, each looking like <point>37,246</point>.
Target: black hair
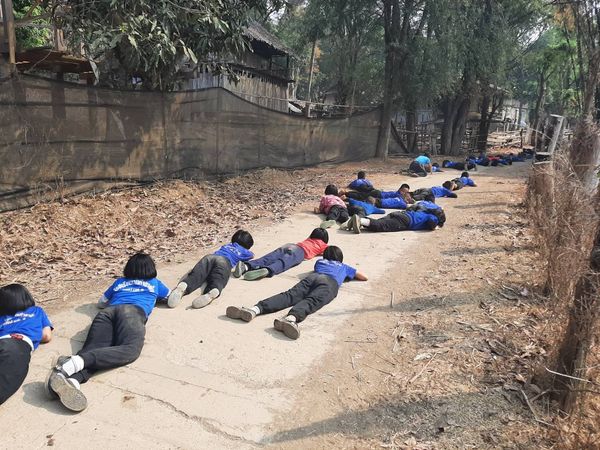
<point>464,174</point>
<point>361,174</point>
<point>333,253</point>
<point>331,189</point>
<point>404,185</point>
<point>14,298</point>
<point>320,233</point>
<point>447,184</point>
<point>243,238</point>
<point>426,154</point>
<point>435,165</point>
<point>440,214</point>
<point>445,163</point>
<point>140,267</point>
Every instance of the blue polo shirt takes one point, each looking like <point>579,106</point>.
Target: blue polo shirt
<point>369,209</point>
<point>423,160</point>
<point>142,293</point>
<point>419,220</point>
<point>439,191</point>
<point>467,181</point>
<point>360,184</point>
<point>336,270</point>
<point>393,203</point>
<point>29,322</point>
<point>424,204</point>
<point>235,253</point>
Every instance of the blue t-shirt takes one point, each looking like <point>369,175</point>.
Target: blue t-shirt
<point>235,253</point>
<point>360,184</point>
<point>336,270</point>
<point>423,160</point>
<point>142,293</point>
<point>390,194</point>
<point>419,220</point>
<point>369,209</point>
<point>435,169</point>
<point>467,181</point>
<point>393,203</point>
<point>28,323</point>
<point>439,191</point>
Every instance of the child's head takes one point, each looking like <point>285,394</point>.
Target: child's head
<point>361,175</point>
<point>464,174</point>
<point>404,188</point>
<point>243,238</point>
<point>321,234</point>
<point>333,253</point>
<point>426,155</point>
<point>331,189</point>
<point>14,298</point>
<point>448,185</point>
<point>140,267</point>
<point>435,165</point>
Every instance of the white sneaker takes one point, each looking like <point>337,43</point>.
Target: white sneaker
<point>205,299</point>
<point>176,295</point>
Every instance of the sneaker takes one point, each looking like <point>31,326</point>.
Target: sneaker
<point>240,269</point>
<point>253,275</point>
<point>245,314</point>
<point>327,224</point>
<point>346,225</point>
<point>176,295</point>
<point>205,299</point>
<point>355,222</point>
<point>67,391</point>
<point>56,366</point>
<point>290,329</point>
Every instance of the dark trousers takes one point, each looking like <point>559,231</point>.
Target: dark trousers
<point>357,210</point>
<point>417,169</point>
<point>423,194</point>
<point>306,297</point>
<point>279,260</point>
<point>115,339</point>
<point>15,355</point>
<point>215,270</point>
<point>396,221</point>
<point>338,213</point>
<point>363,196</point>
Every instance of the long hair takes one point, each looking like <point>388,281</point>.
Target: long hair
<point>14,298</point>
<point>140,267</point>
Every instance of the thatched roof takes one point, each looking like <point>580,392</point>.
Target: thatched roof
<point>256,32</point>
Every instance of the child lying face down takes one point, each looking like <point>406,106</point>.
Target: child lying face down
<point>361,184</point>
<point>283,258</point>
<point>462,181</point>
<point>308,296</point>
<point>415,218</point>
<point>214,270</point>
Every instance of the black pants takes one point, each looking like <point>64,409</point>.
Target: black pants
<point>423,194</point>
<point>417,169</point>
<point>357,210</point>
<point>459,184</point>
<point>338,213</point>
<point>306,297</point>
<point>215,270</point>
<point>115,339</point>
<point>396,221</point>
<point>14,365</point>
<point>363,196</point>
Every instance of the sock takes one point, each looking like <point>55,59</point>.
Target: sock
<point>256,309</point>
<point>290,318</point>
<point>213,293</point>
<point>73,365</point>
<point>75,383</point>
<point>365,222</point>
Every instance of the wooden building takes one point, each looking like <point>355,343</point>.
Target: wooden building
<point>264,72</point>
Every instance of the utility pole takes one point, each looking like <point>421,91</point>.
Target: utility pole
<point>310,77</point>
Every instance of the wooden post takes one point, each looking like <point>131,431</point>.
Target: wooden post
<point>310,77</point>
<point>9,29</point>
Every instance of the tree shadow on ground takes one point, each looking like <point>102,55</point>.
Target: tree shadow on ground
<point>485,250</point>
<point>483,205</point>
<point>453,415</point>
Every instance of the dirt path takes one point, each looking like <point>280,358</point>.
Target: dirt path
<point>351,380</point>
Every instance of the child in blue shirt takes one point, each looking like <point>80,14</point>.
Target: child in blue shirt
<point>462,181</point>
<point>22,327</point>
<point>421,219</point>
<point>116,336</point>
<point>430,194</point>
<point>361,184</point>
<point>308,296</point>
<point>468,165</point>
<point>420,166</point>
<point>214,270</point>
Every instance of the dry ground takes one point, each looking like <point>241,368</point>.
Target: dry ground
<point>439,354</point>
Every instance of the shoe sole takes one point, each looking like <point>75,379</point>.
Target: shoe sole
<point>356,224</point>
<point>278,324</point>
<point>71,397</point>
<point>290,330</point>
<point>257,274</point>
<point>233,312</point>
<point>238,271</point>
<point>327,224</point>
<point>175,298</point>
<point>202,301</point>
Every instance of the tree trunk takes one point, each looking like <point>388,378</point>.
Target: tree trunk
<point>460,126</point>
<point>484,123</point>
<point>536,122</point>
<point>450,110</point>
<point>411,128</point>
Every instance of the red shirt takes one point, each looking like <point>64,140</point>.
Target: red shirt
<point>327,201</point>
<point>312,247</point>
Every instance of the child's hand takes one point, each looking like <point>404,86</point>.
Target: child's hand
<point>316,210</point>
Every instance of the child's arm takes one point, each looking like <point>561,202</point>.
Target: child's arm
<point>317,209</point>
<point>360,277</point>
<point>46,335</point>
<point>102,302</point>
